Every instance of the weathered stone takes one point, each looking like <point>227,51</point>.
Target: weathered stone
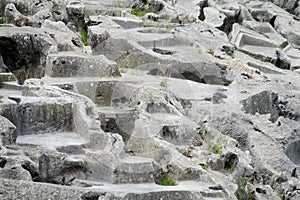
<point>75,11</point>
<point>24,51</point>
<point>13,16</point>
<point>289,5</point>
<point>27,190</point>
<point>15,173</point>
<point>265,29</point>
<point>128,22</point>
<point>291,56</point>
<point>264,11</point>
<point>8,132</point>
<point>265,102</point>
<point>253,43</point>
<point>224,162</point>
<point>262,149</point>
<point>285,26</point>
<point>80,65</point>
<point>34,115</point>
<point>177,114</point>
<point>214,17</point>
<point>65,39</point>
<point>56,168</point>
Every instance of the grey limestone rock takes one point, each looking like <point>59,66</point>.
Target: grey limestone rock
<point>80,65</point>
<point>200,95</point>
<point>265,102</point>
<point>24,51</point>
<point>8,132</point>
<point>75,11</point>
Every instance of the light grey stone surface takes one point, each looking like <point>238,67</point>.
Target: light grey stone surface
<point>202,95</point>
<point>8,132</point>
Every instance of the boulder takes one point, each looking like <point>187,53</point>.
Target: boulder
<point>127,22</point>
<point>8,131</point>
<point>24,51</point>
<point>13,16</point>
<point>64,38</point>
<point>32,115</point>
<point>289,5</point>
<point>291,57</point>
<point>253,43</point>
<point>214,17</point>
<point>285,26</point>
<point>265,102</point>
<point>80,65</point>
<point>75,11</point>
<point>15,173</point>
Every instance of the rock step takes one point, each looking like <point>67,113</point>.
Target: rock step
<point>178,130</point>
<point>5,77</point>
<point>104,91</point>
<point>11,85</point>
<point>106,8</point>
<point>8,93</point>
<point>71,64</point>
<point>184,190</point>
<point>117,120</point>
<point>39,114</point>
<point>135,169</point>
<point>101,166</point>
<point>52,140</point>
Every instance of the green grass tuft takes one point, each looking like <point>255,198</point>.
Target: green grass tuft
<point>283,45</point>
<point>201,16</point>
<point>139,13</point>
<point>166,181</point>
<point>163,83</point>
<point>204,166</point>
<point>218,148</point>
<point>84,37</point>
<point>199,50</point>
<point>211,52</point>
<point>1,20</point>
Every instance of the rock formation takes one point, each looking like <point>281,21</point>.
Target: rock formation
<point>149,99</point>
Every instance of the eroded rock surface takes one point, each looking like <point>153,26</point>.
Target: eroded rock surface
<point>149,99</point>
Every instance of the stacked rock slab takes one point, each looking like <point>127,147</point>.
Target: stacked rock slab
<point>167,100</point>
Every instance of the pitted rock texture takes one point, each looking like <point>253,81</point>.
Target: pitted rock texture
<point>149,99</point>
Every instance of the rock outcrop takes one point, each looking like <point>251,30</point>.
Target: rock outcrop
<point>149,99</point>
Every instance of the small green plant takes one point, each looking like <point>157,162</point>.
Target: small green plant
<point>122,70</point>
<point>125,63</point>
<point>84,37</point>
<point>1,20</point>
<point>166,181</point>
<point>283,45</point>
<point>211,52</point>
<point>217,148</point>
<point>139,13</point>
<point>86,92</point>
<point>186,112</point>
<point>244,190</point>
<point>199,50</point>
<point>201,16</point>
<point>163,83</point>
<point>204,166</point>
